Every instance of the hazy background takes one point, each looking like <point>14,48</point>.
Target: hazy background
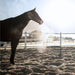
<point>58,15</point>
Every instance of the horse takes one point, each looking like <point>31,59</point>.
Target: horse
<point>12,28</point>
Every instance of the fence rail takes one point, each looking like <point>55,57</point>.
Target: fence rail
<point>53,39</point>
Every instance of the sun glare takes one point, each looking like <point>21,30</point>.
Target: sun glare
<point>59,13</point>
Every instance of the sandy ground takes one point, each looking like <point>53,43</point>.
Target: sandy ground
<point>39,61</point>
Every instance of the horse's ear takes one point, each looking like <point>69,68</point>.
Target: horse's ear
<point>34,9</point>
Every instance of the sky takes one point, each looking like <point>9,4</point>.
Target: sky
<point>58,15</point>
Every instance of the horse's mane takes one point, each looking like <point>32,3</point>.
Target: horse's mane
<point>16,17</point>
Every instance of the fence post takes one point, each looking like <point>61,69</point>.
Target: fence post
<point>25,39</point>
<point>60,44</point>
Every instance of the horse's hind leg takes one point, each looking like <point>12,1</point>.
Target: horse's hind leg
<point>13,50</point>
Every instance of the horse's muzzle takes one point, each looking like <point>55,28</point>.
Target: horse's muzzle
<point>41,22</point>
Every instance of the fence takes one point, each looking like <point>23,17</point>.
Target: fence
<point>47,39</point>
<point>32,40</point>
<point>52,39</point>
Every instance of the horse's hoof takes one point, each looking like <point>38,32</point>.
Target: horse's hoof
<point>12,63</point>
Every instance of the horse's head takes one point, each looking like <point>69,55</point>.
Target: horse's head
<point>33,15</point>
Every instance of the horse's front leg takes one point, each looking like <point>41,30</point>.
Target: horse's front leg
<point>13,50</point>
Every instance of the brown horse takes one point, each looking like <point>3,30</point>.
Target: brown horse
<point>12,28</point>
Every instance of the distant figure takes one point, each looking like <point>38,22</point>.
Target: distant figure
<point>12,28</point>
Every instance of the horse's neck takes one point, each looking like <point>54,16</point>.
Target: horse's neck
<point>22,21</point>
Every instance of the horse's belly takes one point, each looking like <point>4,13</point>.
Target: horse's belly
<point>5,39</point>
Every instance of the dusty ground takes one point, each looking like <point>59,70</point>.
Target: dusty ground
<point>32,62</point>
